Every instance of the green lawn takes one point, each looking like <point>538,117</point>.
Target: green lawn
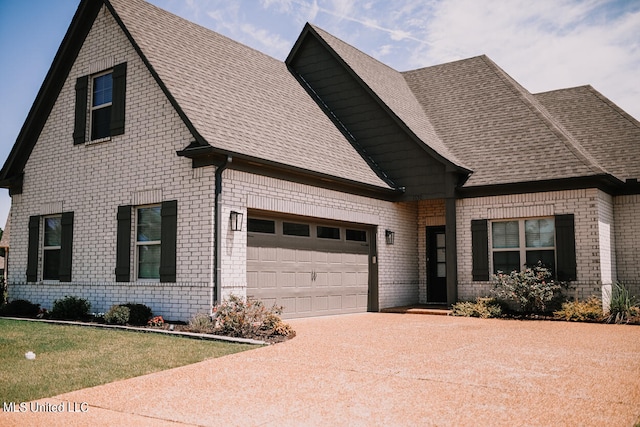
<point>74,357</point>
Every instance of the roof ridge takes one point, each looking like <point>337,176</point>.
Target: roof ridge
<point>546,117</point>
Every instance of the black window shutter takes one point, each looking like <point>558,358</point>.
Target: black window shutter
<point>118,100</point>
<point>33,249</point>
<point>565,247</point>
<point>168,244</point>
<point>123,245</point>
<point>66,247</point>
<point>80,125</point>
<point>480,249</point>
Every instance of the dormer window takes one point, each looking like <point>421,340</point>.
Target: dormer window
<point>102,94</point>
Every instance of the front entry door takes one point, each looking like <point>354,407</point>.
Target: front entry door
<point>436,265</point>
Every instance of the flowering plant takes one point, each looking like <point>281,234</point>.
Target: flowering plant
<point>156,321</point>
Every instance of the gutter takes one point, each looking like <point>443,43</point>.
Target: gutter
<point>216,229</point>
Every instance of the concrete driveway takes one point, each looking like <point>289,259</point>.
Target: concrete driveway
<point>386,369</point>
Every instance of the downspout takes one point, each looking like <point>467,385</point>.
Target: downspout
<point>216,247</point>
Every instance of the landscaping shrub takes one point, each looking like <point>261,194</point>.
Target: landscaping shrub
<point>20,308</point>
<point>249,319</point>
<point>533,289</point>
<point>117,314</point>
<point>580,311</point>
<point>70,308</point>
<point>622,305</point>
<point>201,323</point>
<point>139,314</point>
<point>482,307</point>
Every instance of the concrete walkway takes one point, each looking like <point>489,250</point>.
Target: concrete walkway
<point>389,370</point>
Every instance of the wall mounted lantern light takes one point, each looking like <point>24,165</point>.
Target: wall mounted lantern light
<point>236,221</point>
<point>389,236</point>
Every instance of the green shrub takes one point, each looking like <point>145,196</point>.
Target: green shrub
<point>139,314</point>
<point>70,308</point>
<point>117,314</point>
<point>622,305</point>
<point>580,311</point>
<point>249,319</point>
<point>533,289</point>
<point>201,323</point>
<point>20,308</point>
<point>482,307</point>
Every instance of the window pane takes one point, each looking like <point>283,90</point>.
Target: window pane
<point>506,262</point>
<point>51,264</point>
<point>356,235</point>
<point>539,233</point>
<point>441,269</point>
<point>505,234</point>
<point>149,224</point>
<point>101,123</point>
<point>440,255</point>
<point>440,240</point>
<point>102,89</point>
<point>328,232</point>
<point>52,231</point>
<point>149,262</point>
<point>294,229</point>
<point>261,226</point>
<point>546,257</point>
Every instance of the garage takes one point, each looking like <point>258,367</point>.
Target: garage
<point>310,267</point>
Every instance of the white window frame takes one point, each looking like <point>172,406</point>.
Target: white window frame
<point>138,244</point>
<point>522,242</point>
<point>49,248</point>
<point>93,108</point>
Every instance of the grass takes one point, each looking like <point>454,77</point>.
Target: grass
<point>73,357</point>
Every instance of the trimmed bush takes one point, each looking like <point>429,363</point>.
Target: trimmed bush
<point>70,308</point>
<point>581,311</point>
<point>20,308</point>
<point>117,314</point>
<point>483,307</point>
<point>139,314</point>
<point>533,289</point>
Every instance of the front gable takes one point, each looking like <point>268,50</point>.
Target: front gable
<point>374,130</point>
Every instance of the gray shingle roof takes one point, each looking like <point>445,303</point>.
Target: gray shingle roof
<point>495,126</point>
<point>241,100</point>
<point>601,127</point>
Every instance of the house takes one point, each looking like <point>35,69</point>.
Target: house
<point>165,164</point>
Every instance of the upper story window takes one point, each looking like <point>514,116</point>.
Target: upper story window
<point>101,100</point>
<point>522,242</point>
<point>100,105</point>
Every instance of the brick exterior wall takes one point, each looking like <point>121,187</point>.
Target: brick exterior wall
<point>594,240</point>
<point>627,240</point>
<point>137,168</point>
<point>397,263</point>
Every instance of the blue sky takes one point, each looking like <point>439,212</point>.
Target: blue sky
<point>543,44</point>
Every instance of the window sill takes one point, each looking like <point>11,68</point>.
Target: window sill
<point>98,141</point>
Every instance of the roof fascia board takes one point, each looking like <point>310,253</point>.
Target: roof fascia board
<point>308,30</point>
<point>604,182</point>
<point>206,156</point>
<point>58,73</point>
<point>199,139</point>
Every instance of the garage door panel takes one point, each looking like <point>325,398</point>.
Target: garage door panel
<point>307,276</point>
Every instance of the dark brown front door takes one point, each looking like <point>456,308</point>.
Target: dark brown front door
<point>436,265</point>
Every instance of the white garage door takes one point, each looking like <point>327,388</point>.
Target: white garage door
<point>309,268</point>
